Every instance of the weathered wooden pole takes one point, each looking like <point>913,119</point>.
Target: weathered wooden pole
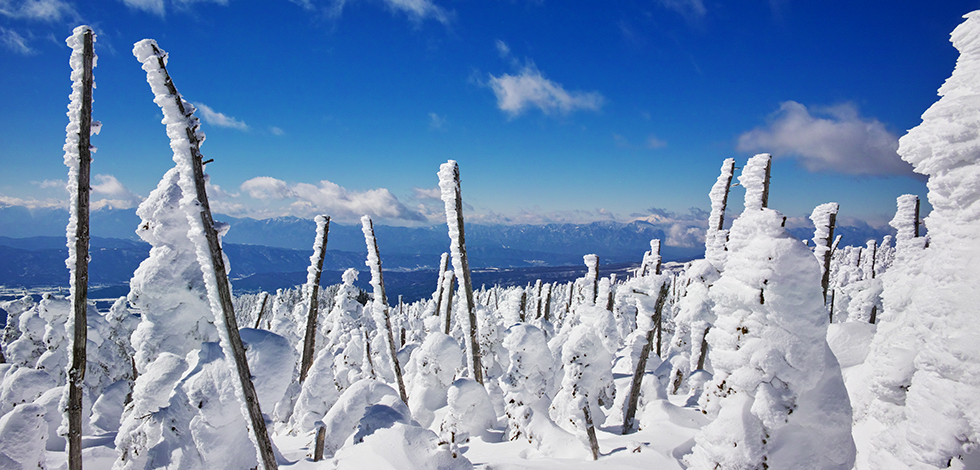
<point>78,152</point>
<point>641,363</point>
<point>381,299</point>
<point>546,310</point>
<point>321,436</point>
<point>453,199</point>
<point>187,155</point>
<point>592,276</point>
<point>313,288</point>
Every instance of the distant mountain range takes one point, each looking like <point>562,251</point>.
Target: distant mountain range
<point>274,253</point>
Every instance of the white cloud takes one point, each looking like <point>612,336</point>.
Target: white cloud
<point>215,118</point>
<point>113,194</point>
<point>503,49</point>
<point>151,6</point>
<point>833,139</point>
<point>277,131</point>
<point>53,184</point>
<point>40,10</point>
<point>436,122</point>
<point>655,143</point>
<point>427,193</point>
<point>159,7</point>
<point>689,8</point>
<point>419,9</point>
<point>15,42</point>
<point>266,187</point>
<point>6,201</point>
<point>330,198</point>
<point>529,88</point>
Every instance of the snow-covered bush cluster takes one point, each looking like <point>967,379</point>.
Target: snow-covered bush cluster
<point>764,354</point>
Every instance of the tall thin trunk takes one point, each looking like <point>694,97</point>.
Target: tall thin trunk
<point>641,363</point>
<point>449,182</point>
<point>218,286</point>
<point>79,272</point>
<point>309,342</point>
<point>258,318</point>
<point>590,431</point>
<point>447,292</point>
<point>443,264</point>
<point>378,281</point>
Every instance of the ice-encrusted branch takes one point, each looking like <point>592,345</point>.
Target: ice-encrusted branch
<point>824,218</point>
<point>312,290</point>
<point>716,236</point>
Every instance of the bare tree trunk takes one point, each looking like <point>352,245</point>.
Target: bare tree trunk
<point>590,431</point>
<point>523,305</point>
<point>443,263</point>
<point>825,280</point>
<point>221,281</point>
<point>379,285</point>
<point>309,342</point>
<point>321,436</point>
<point>704,349</point>
<point>461,263</point>
<point>765,183</point>
<point>258,318</point>
<point>641,363</point>
<point>79,272</point>
<point>447,292</point>
<point>547,302</point>
<point>367,354</point>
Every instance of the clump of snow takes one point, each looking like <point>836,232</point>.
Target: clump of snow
<point>470,412</point>
<point>432,369</point>
<point>716,236</point>
<point>23,432</point>
<point>753,179</point>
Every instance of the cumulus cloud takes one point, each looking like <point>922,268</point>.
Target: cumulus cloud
<point>39,10</point>
<point>15,42</point>
<point>835,139</point>
<point>330,198</point>
<point>112,194</point>
<point>215,118</point>
<point>530,89</point>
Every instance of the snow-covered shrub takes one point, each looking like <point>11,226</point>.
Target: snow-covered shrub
<point>344,417</point>
<point>694,317</point>
<point>470,412</point>
<point>432,369</point>
<point>528,382</point>
<point>587,357</point>
<point>11,331</point>
<point>23,385</point>
<point>318,394</point>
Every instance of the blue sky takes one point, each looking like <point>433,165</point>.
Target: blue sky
<point>556,111</point>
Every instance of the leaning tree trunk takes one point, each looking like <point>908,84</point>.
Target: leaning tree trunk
<point>381,300</point>
<point>319,251</point>
<point>190,162</point>
<point>79,153</point>
<point>641,363</point>
<point>449,184</point>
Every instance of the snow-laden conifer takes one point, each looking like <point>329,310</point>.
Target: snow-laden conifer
<point>937,426</point>
<point>777,396</point>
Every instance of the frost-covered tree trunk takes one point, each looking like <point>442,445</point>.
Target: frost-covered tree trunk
<point>777,397</point>
<point>182,128</point>
<point>313,290</point>
<point>649,323</point>
<point>437,295</point>
<point>651,259</point>
<point>380,304</point>
<point>591,278</point>
<point>716,236</point>
<point>936,296</point>
<point>78,158</point>
<point>447,301</point>
<point>261,308</point>
<point>453,199</point>
<point>824,216</point>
